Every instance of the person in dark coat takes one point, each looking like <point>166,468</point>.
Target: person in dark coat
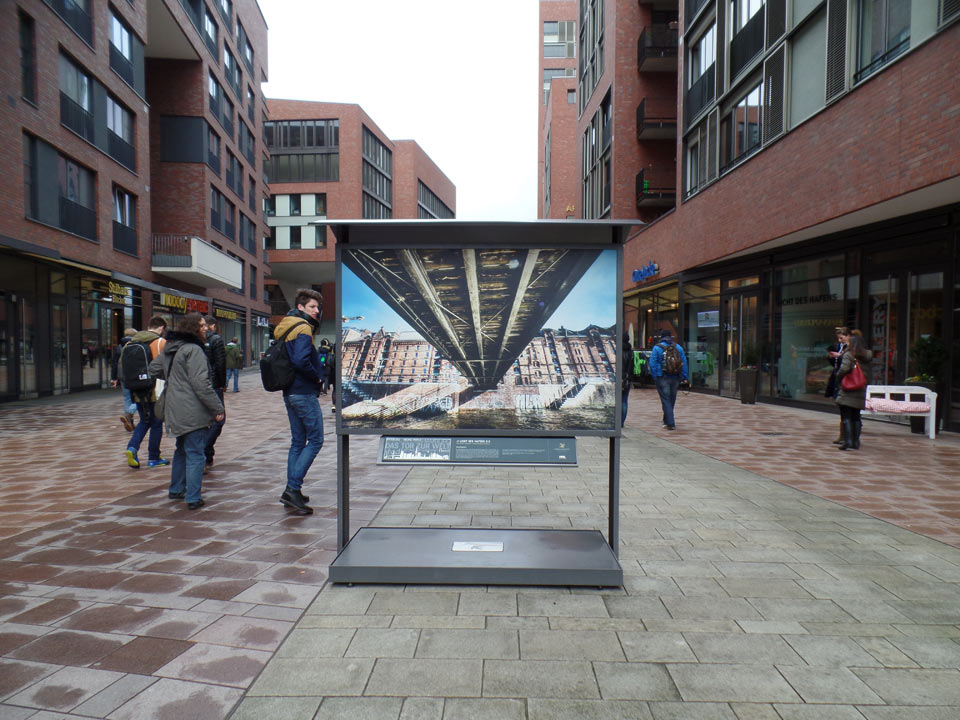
<point>626,376</point>
<point>836,356</point>
<point>217,354</point>
<point>190,405</point>
<point>129,406</point>
<point>851,402</point>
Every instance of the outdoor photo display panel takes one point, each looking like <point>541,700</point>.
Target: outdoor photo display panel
<point>441,340</point>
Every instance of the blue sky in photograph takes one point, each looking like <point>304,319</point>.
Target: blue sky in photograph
<point>592,301</point>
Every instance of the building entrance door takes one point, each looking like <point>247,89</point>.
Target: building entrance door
<point>738,338</point>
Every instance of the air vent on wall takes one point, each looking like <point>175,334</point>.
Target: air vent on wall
<point>836,48</point>
<point>949,9</point>
<point>776,21</point>
<point>773,95</point>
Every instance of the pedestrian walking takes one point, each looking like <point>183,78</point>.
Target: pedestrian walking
<point>835,353</point>
<point>134,373</point>
<point>668,365</point>
<point>626,376</point>
<point>852,396</point>
<point>189,407</point>
<point>325,351</point>
<point>217,355</point>
<point>301,397</point>
<point>234,363</point>
<point>129,406</point>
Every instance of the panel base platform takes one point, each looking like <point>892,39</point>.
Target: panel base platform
<point>501,556</point>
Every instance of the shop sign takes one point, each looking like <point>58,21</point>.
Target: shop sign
<point>118,291</point>
<point>809,299</point>
<point>262,321</point>
<point>224,314</point>
<point>645,272</point>
<point>184,305</point>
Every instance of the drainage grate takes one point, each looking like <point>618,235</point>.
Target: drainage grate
<point>772,433</point>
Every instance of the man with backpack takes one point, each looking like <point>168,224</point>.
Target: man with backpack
<point>134,373</point>
<point>668,365</point>
<point>301,395</point>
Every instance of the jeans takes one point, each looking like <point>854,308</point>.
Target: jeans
<point>235,373</point>
<point>129,406</point>
<point>667,386</point>
<point>306,436</point>
<point>624,397</point>
<point>148,421</point>
<point>186,471</point>
<point>213,432</point>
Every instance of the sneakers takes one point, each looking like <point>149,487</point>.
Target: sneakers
<point>176,495</point>
<point>127,420</point>
<point>157,463</point>
<point>194,505</point>
<point>132,459</point>
<point>295,500</point>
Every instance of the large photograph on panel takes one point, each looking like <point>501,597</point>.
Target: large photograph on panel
<point>479,339</point>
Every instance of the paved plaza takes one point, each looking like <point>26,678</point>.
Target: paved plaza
<point>766,576</point>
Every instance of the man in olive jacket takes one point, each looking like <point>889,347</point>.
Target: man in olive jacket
<point>189,406</point>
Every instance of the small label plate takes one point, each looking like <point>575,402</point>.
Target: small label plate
<point>478,547</point>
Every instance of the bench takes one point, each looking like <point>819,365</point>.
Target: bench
<point>881,402</point>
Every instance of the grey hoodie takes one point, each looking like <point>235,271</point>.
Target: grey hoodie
<point>190,402</point>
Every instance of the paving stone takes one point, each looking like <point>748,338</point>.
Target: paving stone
<point>65,689</point>
<point>488,603</point>
<point>742,648</point>
<point>484,709</point>
<point>901,712</point>
<point>731,683</point>
<point>799,610</point>
<point>755,711</point>
<point>68,647</point>
<point>422,709</point>
<point>319,677</point>
<point>263,708</point>
<point>656,647</point>
<point>314,643</point>
<point>115,695</point>
<point>818,712</point>
<point>831,651</point>
<point>344,621</point>
<point>376,642</point>
<point>178,699</point>
<point>557,605</point>
<point>931,652</point>
<point>464,644</point>
<point>414,603</point>
<point>426,677</point>
<point>359,708</point>
<point>638,608</point>
<point>710,609</point>
<point>452,622</point>
<point>336,600</point>
<point>501,622</point>
<point>691,711</point>
<point>570,645</point>
<point>539,678</point>
<point>546,709</point>
<point>287,594</point>
<point>143,655</point>
<point>913,687</point>
<point>828,685</point>
<point>635,681</point>
<point>236,667</point>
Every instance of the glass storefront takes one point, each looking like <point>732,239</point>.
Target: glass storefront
<point>231,323</point>
<point>259,338</point>
<point>702,337</point>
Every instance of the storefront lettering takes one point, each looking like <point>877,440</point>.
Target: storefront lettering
<point>647,271</point>
<point>225,314</point>
<point>263,322</point>
<point>810,299</point>
<point>184,305</point>
<point>118,291</point>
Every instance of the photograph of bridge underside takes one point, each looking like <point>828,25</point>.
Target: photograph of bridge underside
<point>475,338</point>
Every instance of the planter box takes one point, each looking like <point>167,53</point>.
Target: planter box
<point>749,382</point>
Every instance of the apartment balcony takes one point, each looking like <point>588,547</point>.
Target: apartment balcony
<point>657,49</point>
<point>656,188</point>
<point>75,117</point>
<point>121,65</point>
<point>166,38</point>
<point>78,219</point>
<point>747,44</point>
<point>124,238</point>
<point>195,261</point>
<point>700,94</point>
<point>74,16</point>
<point>657,119</point>
<point>121,151</point>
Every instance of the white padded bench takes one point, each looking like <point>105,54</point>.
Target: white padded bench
<point>880,402</point>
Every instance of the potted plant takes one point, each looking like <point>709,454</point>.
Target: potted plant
<point>929,355</point>
<point>748,374</point>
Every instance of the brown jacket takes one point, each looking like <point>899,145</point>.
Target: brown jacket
<point>853,398</point>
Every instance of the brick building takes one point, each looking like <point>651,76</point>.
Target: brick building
<point>330,160</point>
<point>820,177</point>
<point>132,179</point>
<point>609,70</point>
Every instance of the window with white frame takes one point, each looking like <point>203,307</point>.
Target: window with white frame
<point>124,207</point>
<point>703,53</point>
<point>75,84</point>
<point>741,12</point>
<point>559,39</point>
<point>120,36</point>
<point>119,120</point>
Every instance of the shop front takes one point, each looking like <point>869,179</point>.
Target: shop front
<point>260,336</point>
<point>107,308</point>
<point>231,323</point>
<point>173,306</point>
<point>777,313</point>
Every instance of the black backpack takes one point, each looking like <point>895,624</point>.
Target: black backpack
<point>276,371</point>
<point>135,366</point>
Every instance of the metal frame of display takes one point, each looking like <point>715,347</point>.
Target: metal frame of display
<point>479,556</point>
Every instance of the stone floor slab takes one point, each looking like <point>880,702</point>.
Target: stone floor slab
<point>539,678</point>
<point>731,683</point>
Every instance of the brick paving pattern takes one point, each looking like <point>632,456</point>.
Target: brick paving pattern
<point>743,598</point>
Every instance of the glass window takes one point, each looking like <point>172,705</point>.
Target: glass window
<point>119,120</point>
<point>571,97</point>
<point>28,59</point>
<point>124,207</point>
<point>703,54</point>
<point>740,128</point>
<point>295,237</point>
<point>119,36</point>
<point>884,30</point>
<point>76,182</point>
<point>75,83</point>
<point>210,27</point>
<point>742,11</point>
<point>295,205</point>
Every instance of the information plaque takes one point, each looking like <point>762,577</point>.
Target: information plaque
<point>408,450</point>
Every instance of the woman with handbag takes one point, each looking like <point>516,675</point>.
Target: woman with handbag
<point>853,381</point>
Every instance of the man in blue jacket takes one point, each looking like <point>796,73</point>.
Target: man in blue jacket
<point>303,407</point>
<point>668,365</point>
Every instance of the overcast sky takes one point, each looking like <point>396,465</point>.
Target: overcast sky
<point>458,77</point>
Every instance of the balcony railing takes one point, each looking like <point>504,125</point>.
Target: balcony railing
<point>211,43</point>
<point>250,112</point>
<point>121,65</point>
<point>195,261</point>
<point>657,49</point>
<point>213,160</point>
<point>74,16</point>
<point>230,176</point>
<point>656,119</point>
<point>78,219</point>
<point>193,9</point>
<point>226,119</point>
<point>124,238</point>
<point>656,187</point>
<point>121,151</point>
<point>216,220</point>
<point>746,44</point>
<point>75,117</point>
<point>700,94</point>
<point>228,229</point>
<point>691,9</point>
